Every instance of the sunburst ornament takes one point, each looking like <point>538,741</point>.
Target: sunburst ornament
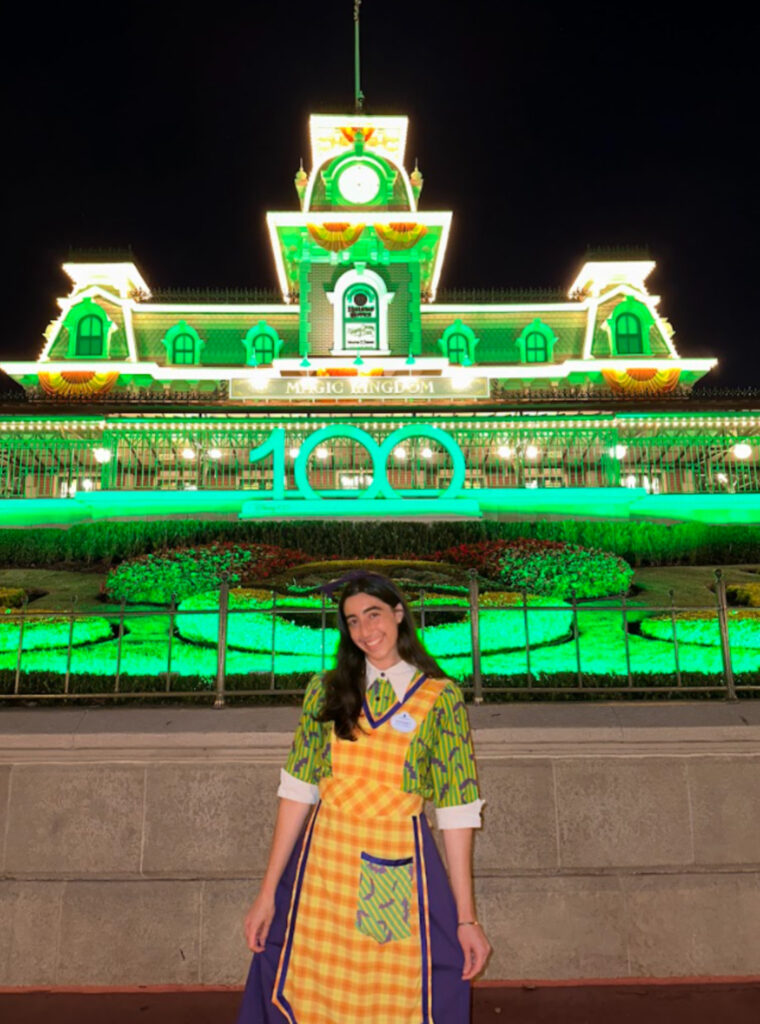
<point>644,380</point>
<point>77,383</point>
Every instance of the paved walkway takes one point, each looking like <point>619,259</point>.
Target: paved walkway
<point>733,1002</point>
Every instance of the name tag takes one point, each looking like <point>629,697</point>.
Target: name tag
<point>403,722</point>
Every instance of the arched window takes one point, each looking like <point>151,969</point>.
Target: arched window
<point>536,348</point>
<point>89,336</point>
<point>628,336</point>
<point>458,348</point>
<point>262,346</point>
<point>183,349</point>
<point>361,317</point>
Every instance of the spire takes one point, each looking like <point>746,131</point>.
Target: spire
<point>301,181</point>
<point>416,180</point>
<point>358,94</point>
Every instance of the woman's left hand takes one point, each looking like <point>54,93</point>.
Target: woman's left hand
<point>475,947</point>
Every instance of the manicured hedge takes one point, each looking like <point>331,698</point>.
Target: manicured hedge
<point>697,628</point>
<point>545,567</point>
<point>42,634</point>
<point>157,578</point>
<point>639,543</point>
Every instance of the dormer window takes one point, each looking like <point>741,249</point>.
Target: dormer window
<point>183,349</point>
<point>458,343</point>
<point>89,339</point>
<point>183,345</point>
<point>89,329</point>
<point>536,343</point>
<point>628,335</point>
<point>262,345</point>
<point>536,348</point>
<point>263,348</point>
<point>629,326</point>
<point>458,348</point>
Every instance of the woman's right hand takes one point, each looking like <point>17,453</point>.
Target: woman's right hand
<point>257,921</point>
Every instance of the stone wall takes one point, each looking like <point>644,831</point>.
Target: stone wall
<point>620,841</point>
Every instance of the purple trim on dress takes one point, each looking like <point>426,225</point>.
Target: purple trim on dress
<point>376,722</point>
<point>451,995</point>
<point>385,862</point>
<point>294,918</point>
<point>423,920</point>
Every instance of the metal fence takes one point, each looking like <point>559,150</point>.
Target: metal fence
<point>581,677</point>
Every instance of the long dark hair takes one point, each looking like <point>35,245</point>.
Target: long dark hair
<point>345,684</point>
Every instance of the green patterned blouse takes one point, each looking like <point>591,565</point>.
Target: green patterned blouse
<point>440,764</point>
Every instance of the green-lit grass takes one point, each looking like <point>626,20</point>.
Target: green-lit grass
<point>699,628</point>
<point>601,645</point>
<point>50,632</point>
<point>252,630</point>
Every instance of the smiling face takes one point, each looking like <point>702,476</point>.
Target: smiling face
<point>373,627</point>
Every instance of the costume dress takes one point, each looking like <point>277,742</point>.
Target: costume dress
<point>365,923</point>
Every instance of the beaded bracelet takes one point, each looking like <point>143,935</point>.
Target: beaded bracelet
<point>461,924</point>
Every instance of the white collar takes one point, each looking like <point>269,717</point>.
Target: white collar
<point>399,675</point>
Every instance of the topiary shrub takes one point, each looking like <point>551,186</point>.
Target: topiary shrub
<point>698,628</point>
<point>545,567</point>
<point>50,632</point>
<point>156,578</point>
<point>11,597</point>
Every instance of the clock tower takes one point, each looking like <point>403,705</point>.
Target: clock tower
<point>359,257</point>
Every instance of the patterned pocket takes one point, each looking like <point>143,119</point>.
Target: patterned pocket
<point>385,898</point>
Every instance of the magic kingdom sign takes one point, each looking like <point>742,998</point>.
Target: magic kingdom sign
<point>380,388</point>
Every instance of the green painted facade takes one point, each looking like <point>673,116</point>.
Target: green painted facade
<point>359,220</point>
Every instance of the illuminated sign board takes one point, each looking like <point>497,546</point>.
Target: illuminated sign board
<point>381,388</point>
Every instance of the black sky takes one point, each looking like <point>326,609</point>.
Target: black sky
<point>545,128</point>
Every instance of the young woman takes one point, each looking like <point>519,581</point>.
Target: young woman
<point>355,921</point>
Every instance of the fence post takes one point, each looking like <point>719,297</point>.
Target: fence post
<point>274,630</point>
<point>324,628</point>
<point>626,642</point>
<point>172,616</point>
<point>477,678</point>
<point>221,643</point>
<point>576,638</point>
<point>527,636</point>
<point>422,614</point>
<point>70,645</point>
<point>17,681</point>
<point>676,655</point>
<point>119,639</point>
<point>725,644</point>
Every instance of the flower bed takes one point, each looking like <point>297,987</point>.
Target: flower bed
<point>156,578</point>
<point>545,567</point>
<point>249,627</point>
<point>50,632</point>
<point>698,628</point>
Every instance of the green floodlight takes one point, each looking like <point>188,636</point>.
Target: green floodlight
<point>358,361</point>
<point>305,364</point>
<point>410,360</point>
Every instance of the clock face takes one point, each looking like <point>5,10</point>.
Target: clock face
<point>359,184</point>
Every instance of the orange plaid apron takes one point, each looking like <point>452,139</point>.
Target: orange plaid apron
<point>357,941</point>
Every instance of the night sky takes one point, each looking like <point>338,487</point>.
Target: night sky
<point>545,128</point>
